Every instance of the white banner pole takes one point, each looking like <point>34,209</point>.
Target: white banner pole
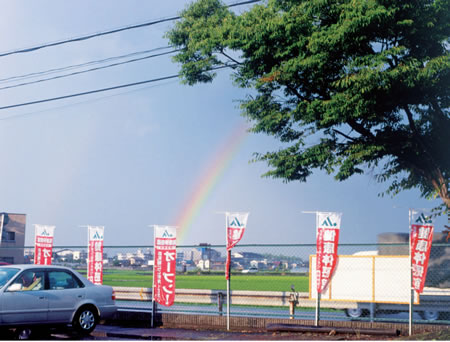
<point>88,252</point>
<point>229,275</point>
<point>228,291</point>
<point>231,241</point>
<point>411,299</point>
<point>1,227</point>
<point>318,295</point>
<point>317,319</point>
<point>152,323</point>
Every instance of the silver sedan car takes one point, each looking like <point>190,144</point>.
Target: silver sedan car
<point>32,295</point>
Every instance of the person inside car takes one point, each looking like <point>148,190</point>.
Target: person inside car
<point>30,281</point>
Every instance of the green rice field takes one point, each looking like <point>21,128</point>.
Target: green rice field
<point>248,282</point>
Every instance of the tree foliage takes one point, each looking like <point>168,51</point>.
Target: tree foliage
<point>348,85</point>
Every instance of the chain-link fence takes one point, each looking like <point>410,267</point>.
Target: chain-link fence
<point>371,281</point>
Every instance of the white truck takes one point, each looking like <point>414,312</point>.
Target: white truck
<point>371,283</point>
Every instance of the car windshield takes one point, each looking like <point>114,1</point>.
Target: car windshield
<point>6,274</point>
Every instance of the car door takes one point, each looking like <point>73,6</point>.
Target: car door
<point>64,295</point>
<point>25,300</point>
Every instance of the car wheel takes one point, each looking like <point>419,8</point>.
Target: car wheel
<point>430,315</point>
<point>85,320</point>
<point>23,334</point>
<point>355,313</point>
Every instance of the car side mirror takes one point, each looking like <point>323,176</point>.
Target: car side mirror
<point>14,287</point>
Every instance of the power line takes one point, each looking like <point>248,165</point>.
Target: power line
<point>104,89</point>
<point>86,37</point>
<point>89,70</point>
<point>70,67</point>
<point>104,33</point>
<point>101,98</point>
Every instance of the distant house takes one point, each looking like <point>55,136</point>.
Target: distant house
<point>12,233</point>
<point>202,252</point>
<point>249,259</point>
<point>139,258</point>
<point>247,255</point>
<point>70,255</point>
<point>204,265</point>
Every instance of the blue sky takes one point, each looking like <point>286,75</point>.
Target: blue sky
<point>128,158</point>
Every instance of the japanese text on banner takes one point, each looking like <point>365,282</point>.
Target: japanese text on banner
<point>421,239</point>
<point>95,254</point>
<point>43,245</point>
<point>164,269</point>
<point>328,226</point>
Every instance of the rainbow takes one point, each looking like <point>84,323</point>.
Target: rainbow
<point>208,179</point>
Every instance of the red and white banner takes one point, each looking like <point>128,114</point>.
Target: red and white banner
<point>43,244</point>
<point>95,254</point>
<point>421,238</point>
<point>328,226</point>
<point>165,263</point>
<point>235,224</point>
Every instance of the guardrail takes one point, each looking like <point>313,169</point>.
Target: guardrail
<point>251,298</point>
<point>431,300</point>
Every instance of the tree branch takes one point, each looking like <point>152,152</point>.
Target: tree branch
<point>344,135</point>
<point>435,105</point>
<point>230,58</point>
<point>361,129</point>
<point>296,93</point>
<point>409,115</point>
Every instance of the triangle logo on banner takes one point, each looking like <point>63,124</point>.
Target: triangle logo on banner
<point>328,223</point>
<point>97,236</point>
<point>166,234</point>
<point>423,219</point>
<point>235,223</point>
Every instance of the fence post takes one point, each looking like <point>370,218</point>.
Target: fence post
<point>153,312</point>
<point>316,322</point>
<point>292,306</point>
<point>220,303</point>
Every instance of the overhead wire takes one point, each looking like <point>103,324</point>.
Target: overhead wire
<point>86,37</point>
<point>89,36</point>
<point>75,66</point>
<point>18,116</point>
<point>105,89</point>
<point>104,33</point>
<point>88,70</point>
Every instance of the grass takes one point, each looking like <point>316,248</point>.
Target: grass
<point>246,282</point>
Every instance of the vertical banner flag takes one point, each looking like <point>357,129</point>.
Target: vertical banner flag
<point>95,254</point>
<point>421,238</point>
<point>2,220</point>
<point>235,224</point>
<point>164,268</point>
<point>43,245</point>
<point>328,225</point>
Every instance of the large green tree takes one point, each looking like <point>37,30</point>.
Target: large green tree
<point>349,86</point>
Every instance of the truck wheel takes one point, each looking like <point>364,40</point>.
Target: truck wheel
<point>445,316</point>
<point>355,313</point>
<point>430,315</point>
